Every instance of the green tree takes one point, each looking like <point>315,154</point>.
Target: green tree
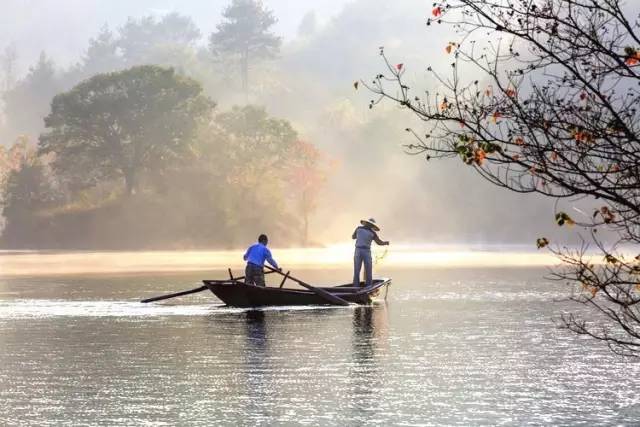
<point>246,154</point>
<point>28,101</point>
<point>244,35</point>
<point>12,158</point>
<point>102,54</point>
<point>27,191</point>
<point>142,41</point>
<point>118,125</point>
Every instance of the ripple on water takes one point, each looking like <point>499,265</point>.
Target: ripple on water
<point>41,308</point>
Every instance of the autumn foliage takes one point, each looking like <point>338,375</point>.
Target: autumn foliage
<point>551,107</point>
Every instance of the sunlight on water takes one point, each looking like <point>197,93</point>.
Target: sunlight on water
<point>42,308</point>
<point>49,263</point>
<point>454,347</point>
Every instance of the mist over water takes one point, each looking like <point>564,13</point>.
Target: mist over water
<point>33,263</point>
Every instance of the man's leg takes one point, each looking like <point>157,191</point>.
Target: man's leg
<point>258,276</point>
<point>248,275</point>
<point>357,265</point>
<point>368,268</point>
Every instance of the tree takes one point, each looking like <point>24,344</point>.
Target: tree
<point>120,124</point>
<point>247,155</point>
<point>28,101</point>
<point>140,41</point>
<point>12,159</point>
<point>306,178</point>
<point>552,109</point>
<point>26,189</point>
<point>102,54</point>
<point>308,25</point>
<point>8,64</point>
<point>244,34</point>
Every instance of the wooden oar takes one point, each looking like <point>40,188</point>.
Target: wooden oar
<point>333,299</point>
<point>192,291</point>
<point>177,294</point>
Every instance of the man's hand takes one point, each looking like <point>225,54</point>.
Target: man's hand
<point>386,243</point>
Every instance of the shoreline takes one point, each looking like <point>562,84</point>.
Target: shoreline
<point>48,263</point>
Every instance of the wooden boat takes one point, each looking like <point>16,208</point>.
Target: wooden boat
<point>239,294</point>
<point>236,293</point>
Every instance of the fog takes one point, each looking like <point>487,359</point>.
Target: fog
<point>326,47</point>
<point>62,29</point>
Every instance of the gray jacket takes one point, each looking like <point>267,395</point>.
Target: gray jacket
<point>364,236</point>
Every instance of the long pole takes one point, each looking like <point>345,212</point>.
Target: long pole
<point>190,291</point>
<point>334,299</point>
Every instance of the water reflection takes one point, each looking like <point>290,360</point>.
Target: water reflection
<point>256,357</point>
<point>255,326</point>
<point>370,329</point>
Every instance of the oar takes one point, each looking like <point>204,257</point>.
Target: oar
<point>191,291</point>
<point>177,294</point>
<point>336,300</point>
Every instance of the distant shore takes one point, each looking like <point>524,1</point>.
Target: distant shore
<point>43,263</point>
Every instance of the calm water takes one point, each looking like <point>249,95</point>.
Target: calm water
<point>450,347</point>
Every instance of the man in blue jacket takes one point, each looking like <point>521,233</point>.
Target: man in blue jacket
<point>255,257</point>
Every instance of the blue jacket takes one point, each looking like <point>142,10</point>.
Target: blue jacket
<point>257,254</point>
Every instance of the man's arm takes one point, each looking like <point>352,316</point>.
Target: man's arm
<point>378,241</point>
<point>353,236</point>
<point>271,261</point>
<point>246,254</point>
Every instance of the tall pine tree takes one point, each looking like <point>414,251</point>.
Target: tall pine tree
<point>245,35</point>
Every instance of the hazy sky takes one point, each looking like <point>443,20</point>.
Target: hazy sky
<point>62,27</point>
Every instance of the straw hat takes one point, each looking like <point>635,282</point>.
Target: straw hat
<point>370,222</point>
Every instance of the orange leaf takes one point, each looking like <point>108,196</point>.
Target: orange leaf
<point>448,48</point>
<point>495,116</point>
<point>444,105</point>
<point>510,93</point>
<point>399,67</point>
<point>519,141</point>
<point>436,11</point>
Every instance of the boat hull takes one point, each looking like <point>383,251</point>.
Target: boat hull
<point>238,294</point>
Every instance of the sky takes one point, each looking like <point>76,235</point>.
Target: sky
<point>62,27</point>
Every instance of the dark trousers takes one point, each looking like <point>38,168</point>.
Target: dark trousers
<point>360,257</point>
<point>254,275</point>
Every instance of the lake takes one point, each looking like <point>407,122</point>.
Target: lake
<point>451,346</point>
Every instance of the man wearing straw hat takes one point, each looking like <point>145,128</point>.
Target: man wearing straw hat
<point>364,235</point>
